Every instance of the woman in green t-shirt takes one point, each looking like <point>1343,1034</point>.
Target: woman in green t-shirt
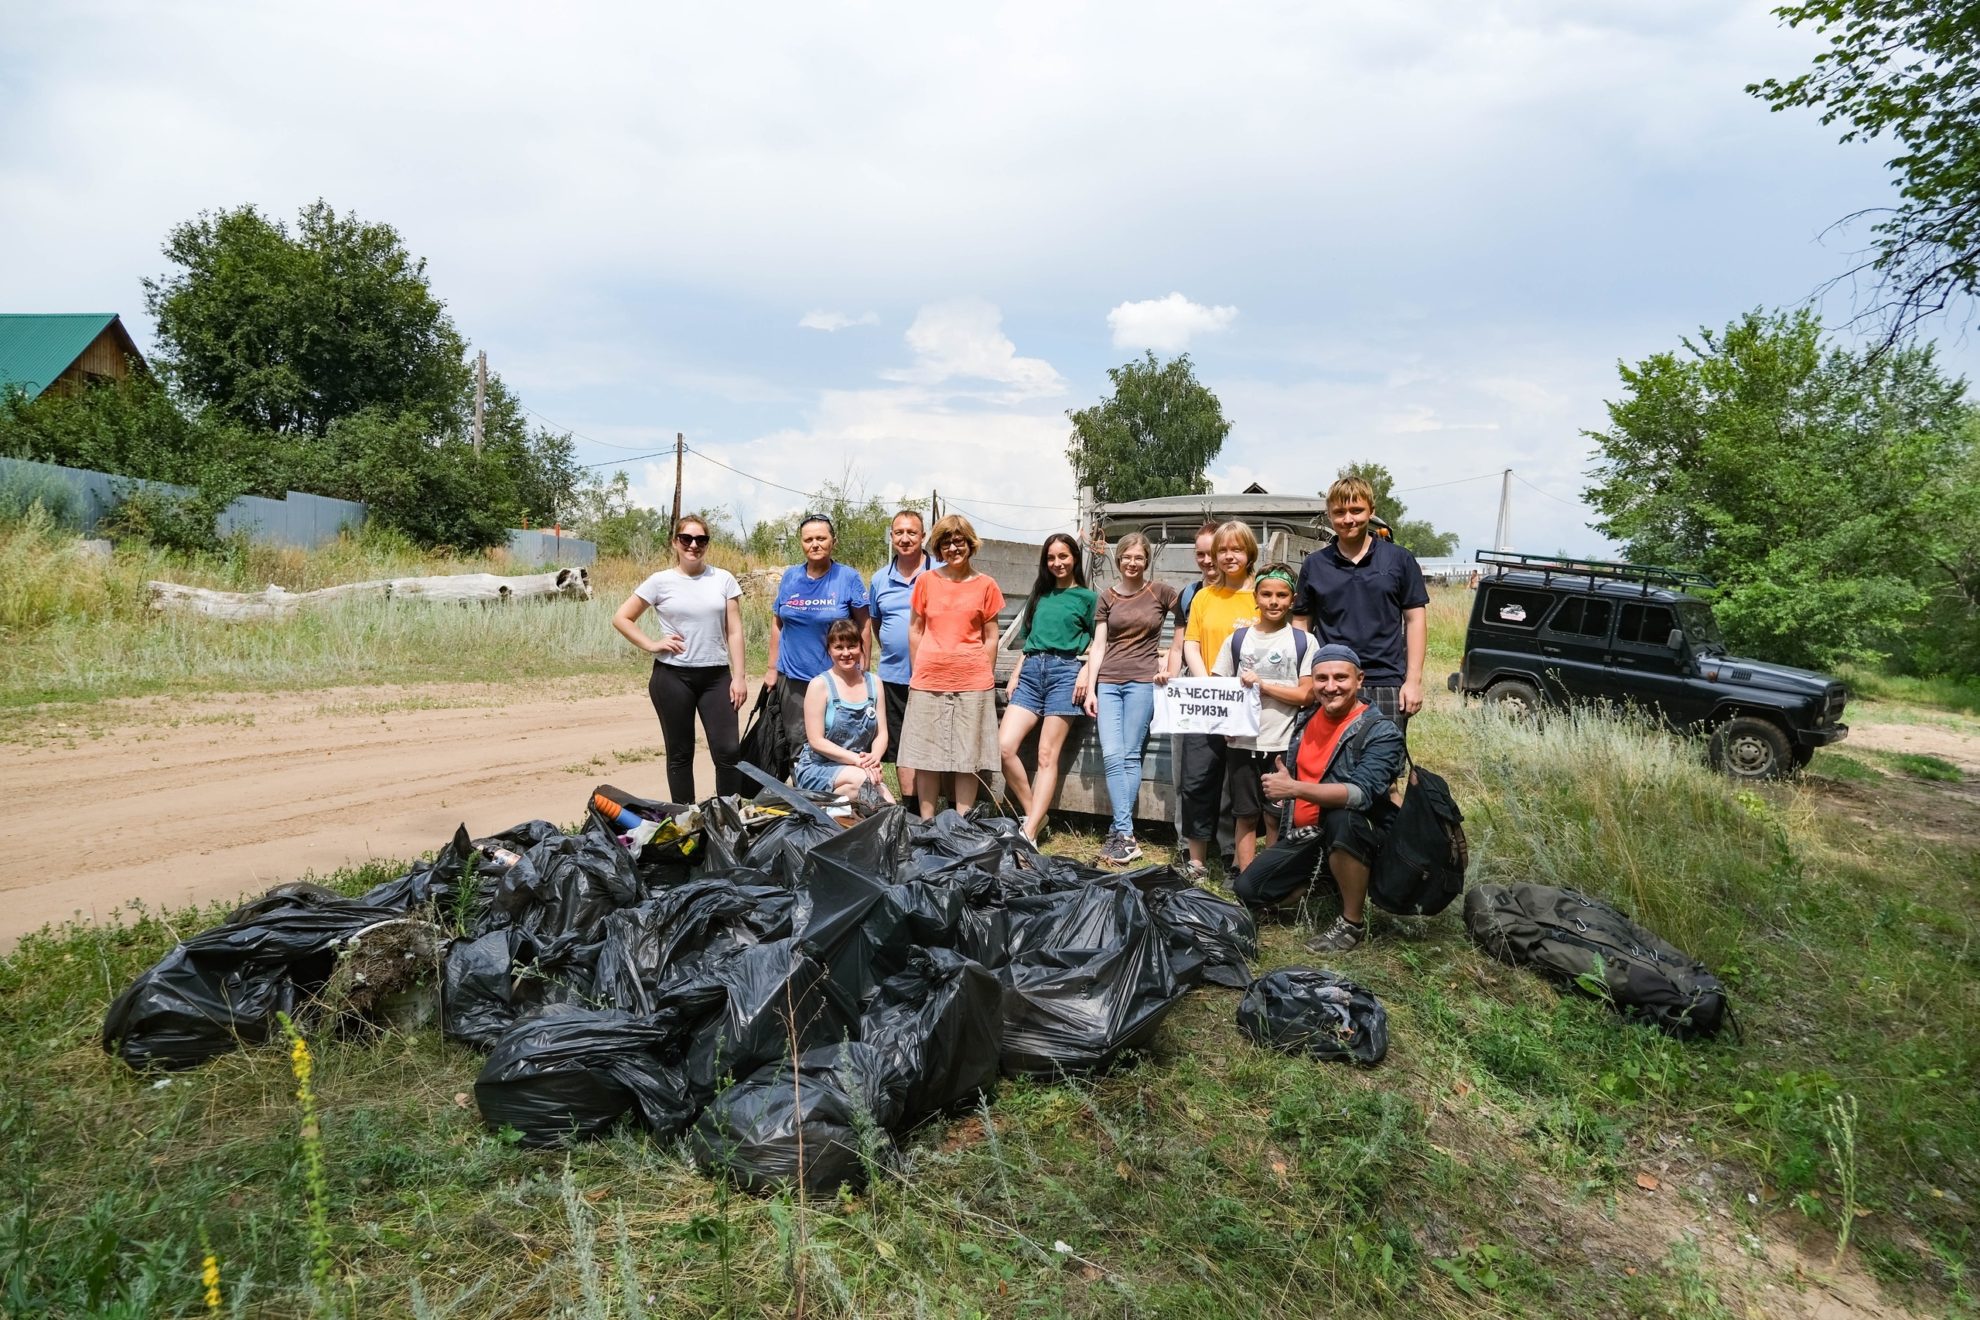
<point>1049,683</point>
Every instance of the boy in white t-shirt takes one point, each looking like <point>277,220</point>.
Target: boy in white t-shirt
<point>1277,659</point>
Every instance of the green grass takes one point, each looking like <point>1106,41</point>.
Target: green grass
<point>1831,764</point>
<point>1921,765</point>
<point>1954,694</point>
<point>1489,1166</point>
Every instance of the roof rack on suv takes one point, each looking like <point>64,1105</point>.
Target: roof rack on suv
<point>1646,575</point>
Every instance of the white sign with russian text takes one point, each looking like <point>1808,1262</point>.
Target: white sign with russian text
<point>1206,705</point>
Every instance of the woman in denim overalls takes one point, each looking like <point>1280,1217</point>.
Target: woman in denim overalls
<point>845,727</point>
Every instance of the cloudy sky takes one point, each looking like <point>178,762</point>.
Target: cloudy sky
<point>893,244</point>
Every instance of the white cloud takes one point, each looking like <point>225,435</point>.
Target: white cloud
<point>965,418</point>
<point>964,339</point>
<point>830,321</point>
<point>1166,324</point>
<point>897,443</point>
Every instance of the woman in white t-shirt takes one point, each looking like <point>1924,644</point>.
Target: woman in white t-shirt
<point>698,658</point>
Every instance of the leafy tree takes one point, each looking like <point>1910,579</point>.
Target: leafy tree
<point>861,524</point>
<point>605,513</point>
<point>1948,526</point>
<point>1154,435</point>
<point>1909,69</point>
<point>134,428</point>
<point>542,464</point>
<point>1415,535</point>
<point>439,492</point>
<point>1795,474</point>
<point>290,332</point>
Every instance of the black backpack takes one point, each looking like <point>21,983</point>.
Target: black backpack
<point>766,744</point>
<point>1420,868</point>
<point>1582,942</point>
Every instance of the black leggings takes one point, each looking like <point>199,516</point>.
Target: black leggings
<point>678,691</point>
<point>1200,758</point>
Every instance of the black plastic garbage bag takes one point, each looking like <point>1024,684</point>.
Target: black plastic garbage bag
<point>1307,1010</point>
<point>223,988</point>
<point>725,835</point>
<point>963,850</point>
<point>985,936</point>
<point>771,994</point>
<point>780,847</point>
<point>848,915</point>
<point>1210,938</point>
<point>436,884</point>
<point>769,1128</point>
<point>668,856</point>
<point>939,1029</point>
<point>433,883</point>
<point>562,890</point>
<point>569,1073</point>
<point>644,945</point>
<point>1088,978</point>
<point>931,915</point>
<point>490,981</point>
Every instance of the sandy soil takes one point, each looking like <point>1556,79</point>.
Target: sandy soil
<point>1950,741</point>
<point>182,800</point>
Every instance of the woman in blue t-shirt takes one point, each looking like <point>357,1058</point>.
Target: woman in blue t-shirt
<point>810,597</point>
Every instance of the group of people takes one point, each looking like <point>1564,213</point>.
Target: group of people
<point>1334,648</point>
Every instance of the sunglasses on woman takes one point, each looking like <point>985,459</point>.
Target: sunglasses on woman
<point>690,541</point>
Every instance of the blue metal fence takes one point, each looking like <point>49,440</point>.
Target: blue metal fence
<point>82,498</point>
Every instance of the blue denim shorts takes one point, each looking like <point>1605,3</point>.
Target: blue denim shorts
<point>1045,684</point>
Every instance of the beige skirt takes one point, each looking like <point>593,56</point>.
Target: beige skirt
<point>950,732</point>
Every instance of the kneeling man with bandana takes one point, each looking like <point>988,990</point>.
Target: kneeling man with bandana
<point>1334,784</point>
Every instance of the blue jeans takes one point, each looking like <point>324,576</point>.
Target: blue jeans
<point>1126,709</point>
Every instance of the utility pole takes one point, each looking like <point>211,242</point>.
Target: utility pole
<point>1502,533</point>
<point>480,395</point>
<point>680,444</point>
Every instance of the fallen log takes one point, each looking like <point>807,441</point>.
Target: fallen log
<point>446,589</point>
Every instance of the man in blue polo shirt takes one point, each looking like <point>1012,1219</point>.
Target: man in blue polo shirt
<point>1366,592</point>
<point>887,638</point>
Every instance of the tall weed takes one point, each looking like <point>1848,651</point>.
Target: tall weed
<point>45,575</point>
<point>1613,807</point>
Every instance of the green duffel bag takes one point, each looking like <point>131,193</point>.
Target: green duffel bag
<point>1584,943</point>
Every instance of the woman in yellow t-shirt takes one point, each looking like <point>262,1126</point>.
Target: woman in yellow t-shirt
<point>1219,610</point>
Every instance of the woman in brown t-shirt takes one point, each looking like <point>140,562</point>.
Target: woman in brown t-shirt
<point>1123,666</point>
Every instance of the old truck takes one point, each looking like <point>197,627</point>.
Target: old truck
<point>1288,528</point>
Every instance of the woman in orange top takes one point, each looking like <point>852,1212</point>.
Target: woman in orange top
<point>950,733</point>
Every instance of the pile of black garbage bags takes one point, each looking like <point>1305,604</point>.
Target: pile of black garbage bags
<point>787,993</point>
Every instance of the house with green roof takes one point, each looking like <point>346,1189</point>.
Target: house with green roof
<point>64,351</point>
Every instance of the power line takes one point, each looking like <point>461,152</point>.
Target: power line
<point>1459,481</point>
<point>611,462</point>
<point>804,494</point>
<point>603,444</point>
<point>1572,504</point>
<point>992,522</point>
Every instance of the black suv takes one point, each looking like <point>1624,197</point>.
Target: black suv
<point>1550,631</point>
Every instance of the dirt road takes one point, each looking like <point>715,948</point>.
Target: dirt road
<point>183,800</point>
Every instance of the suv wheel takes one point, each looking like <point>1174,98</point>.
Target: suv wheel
<point>1747,747</point>
<point>1518,699</point>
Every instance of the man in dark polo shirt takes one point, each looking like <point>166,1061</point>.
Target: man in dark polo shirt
<point>1366,592</point>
